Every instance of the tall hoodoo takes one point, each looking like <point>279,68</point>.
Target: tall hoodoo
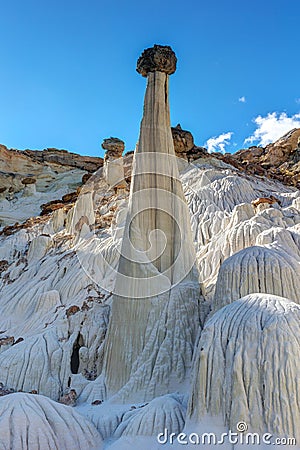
<point>154,317</point>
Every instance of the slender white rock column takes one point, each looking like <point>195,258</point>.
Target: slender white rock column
<point>154,317</point>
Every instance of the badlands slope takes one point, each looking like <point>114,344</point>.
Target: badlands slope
<point>57,274</point>
<point>55,308</point>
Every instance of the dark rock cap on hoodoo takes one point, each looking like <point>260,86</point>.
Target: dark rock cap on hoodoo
<point>113,146</point>
<point>159,58</point>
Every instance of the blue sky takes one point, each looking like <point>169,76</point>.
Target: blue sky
<point>68,79</point>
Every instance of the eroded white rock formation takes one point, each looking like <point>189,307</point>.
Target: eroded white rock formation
<point>163,412</point>
<point>81,217</point>
<point>246,367</point>
<point>257,269</point>
<point>155,306</point>
<point>34,422</point>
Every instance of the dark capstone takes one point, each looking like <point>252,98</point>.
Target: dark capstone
<point>159,58</point>
<point>114,147</point>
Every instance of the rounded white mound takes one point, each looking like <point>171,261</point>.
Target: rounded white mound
<point>246,366</point>
<point>34,422</point>
<point>257,269</point>
<point>163,412</point>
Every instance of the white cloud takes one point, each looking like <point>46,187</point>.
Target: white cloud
<point>217,143</point>
<point>242,99</point>
<point>272,127</point>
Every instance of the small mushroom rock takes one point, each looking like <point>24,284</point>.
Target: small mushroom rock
<point>29,186</point>
<point>114,147</point>
<point>113,168</point>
